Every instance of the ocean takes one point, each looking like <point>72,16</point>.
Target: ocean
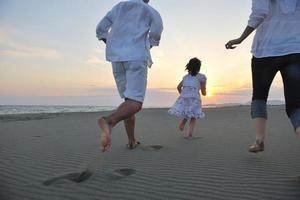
<point>34,109</point>
<point>38,109</point>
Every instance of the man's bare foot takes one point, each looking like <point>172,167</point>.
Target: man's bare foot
<point>133,144</point>
<point>105,136</point>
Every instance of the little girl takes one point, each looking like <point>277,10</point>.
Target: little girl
<point>188,105</point>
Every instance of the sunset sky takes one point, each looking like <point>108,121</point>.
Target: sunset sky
<point>49,53</point>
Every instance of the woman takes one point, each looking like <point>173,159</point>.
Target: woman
<point>276,47</point>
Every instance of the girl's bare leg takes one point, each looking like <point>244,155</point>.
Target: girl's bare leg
<point>182,124</point>
<point>192,126</point>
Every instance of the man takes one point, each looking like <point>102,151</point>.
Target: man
<point>129,30</point>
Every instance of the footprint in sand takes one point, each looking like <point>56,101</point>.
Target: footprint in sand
<point>119,174</point>
<point>152,147</point>
<point>193,138</point>
<point>36,136</point>
<point>74,177</point>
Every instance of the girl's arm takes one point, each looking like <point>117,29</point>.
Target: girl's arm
<point>179,87</point>
<point>203,88</point>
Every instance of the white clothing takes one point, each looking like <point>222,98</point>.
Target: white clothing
<point>131,79</point>
<point>278,27</point>
<point>187,108</point>
<point>189,104</point>
<point>130,29</point>
<point>191,85</point>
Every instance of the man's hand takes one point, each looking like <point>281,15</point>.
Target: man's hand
<point>104,40</point>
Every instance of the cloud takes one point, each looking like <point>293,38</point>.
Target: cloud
<point>12,47</point>
<point>31,52</point>
<point>94,60</point>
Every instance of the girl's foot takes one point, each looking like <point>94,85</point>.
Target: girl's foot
<point>188,136</point>
<point>105,136</point>
<point>258,146</point>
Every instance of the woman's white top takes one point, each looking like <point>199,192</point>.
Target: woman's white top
<point>191,85</point>
<point>130,28</point>
<point>277,24</point>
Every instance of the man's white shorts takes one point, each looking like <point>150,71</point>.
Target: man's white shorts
<point>131,79</point>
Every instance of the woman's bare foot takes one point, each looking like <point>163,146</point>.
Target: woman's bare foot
<point>298,133</point>
<point>105,136</point>
<point>258,146</point>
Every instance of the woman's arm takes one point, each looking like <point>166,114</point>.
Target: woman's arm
<point>260,10</point>
<point>179,87</point>
<point>248,30</point>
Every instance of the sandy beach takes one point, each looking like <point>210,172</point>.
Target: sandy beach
<point>58,157</point>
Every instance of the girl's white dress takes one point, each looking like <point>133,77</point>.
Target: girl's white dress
<point>189,104</point>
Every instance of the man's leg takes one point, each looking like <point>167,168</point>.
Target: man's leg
<point>129,124</point>
<point>125,111</point>
<point>131,80</point>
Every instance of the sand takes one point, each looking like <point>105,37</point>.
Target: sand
<point>57,156</point>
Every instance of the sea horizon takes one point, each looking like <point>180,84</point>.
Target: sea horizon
<point>43,109</point>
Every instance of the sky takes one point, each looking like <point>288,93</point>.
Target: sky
<point>49,53</point>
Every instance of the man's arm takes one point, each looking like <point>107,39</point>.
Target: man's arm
<point>104,26</point>
<point>156,28</point>
<point>104,40</point>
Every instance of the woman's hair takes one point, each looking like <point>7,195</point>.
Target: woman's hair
<point>193,66</point>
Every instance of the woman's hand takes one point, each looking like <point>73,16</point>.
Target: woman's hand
<point>231,44</point>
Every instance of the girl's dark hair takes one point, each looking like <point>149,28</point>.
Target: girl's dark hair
<point>193,66</point>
